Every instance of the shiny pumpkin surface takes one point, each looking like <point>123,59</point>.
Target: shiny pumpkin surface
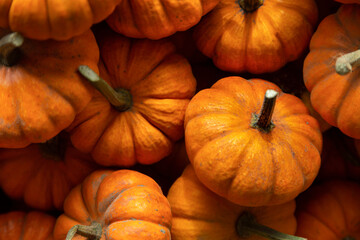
<point>53,19</point>
<point>335,97</point>
<point>199,213</point>
<point>155,19</point>
<point>260,41</point>
<point>127,204</point>
<point>160,83</point>
<point>42,92</point>
<point>247,165</point>
<point>330,211</point>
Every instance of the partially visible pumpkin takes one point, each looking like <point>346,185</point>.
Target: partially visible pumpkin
<point>122,204</point>
<point>256,36</point>
<point>248,149</point>
<point>330,211</point>
<point>59,20</point>
<point>43,174</point>
<point>26,226</point>
<point>146,87</point>
<point>157,19</point>
<point>40,88</point>
<point>328,72</point>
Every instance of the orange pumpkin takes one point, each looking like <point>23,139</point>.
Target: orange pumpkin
<point>329,211</point>
<point>60,20</point>
<point>199,213</point>
<point>40,89</point>
<point>247,149</point>
<point>256,36</point>
<point>146,88</point>
<point>328,75</point>
<point>157,19</point>
<point>122,204</point>
<point>43,174</point>
<point>26,226</point>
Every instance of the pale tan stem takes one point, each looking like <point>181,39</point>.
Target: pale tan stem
<point>346,62</point>
<point>93,232</point>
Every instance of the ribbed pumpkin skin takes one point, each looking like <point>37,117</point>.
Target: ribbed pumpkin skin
<point>199,213</point>
<point>335,97</point>
<point>127,204</point>
<point>241,163</point>
<point>329,211</point>
<point>161,84</point>
<point>260,41</point>
<point>42,93</point>
<point>53,19</point>
<point>157,19</point>
<point>26,226</point>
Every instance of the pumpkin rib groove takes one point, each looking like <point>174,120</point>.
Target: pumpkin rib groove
<point>346,32</point>
<point>48,17</point>
<point>136,25</point>
<point>167,14</point>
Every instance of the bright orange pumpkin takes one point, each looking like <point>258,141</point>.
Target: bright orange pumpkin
<point>147,87</point>
<point>40,88</point>
<point>330,211</point>
<point>256,36</point>
<point>26,226</point>
<point>328,75</point>
<point>122,204</point>
<point>60,20</point>
<point>248,152</point>
<point>199,213</point>
<point>42,174</point>
<point>157,19</point>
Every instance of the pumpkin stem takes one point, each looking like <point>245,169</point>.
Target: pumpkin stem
<point>247,225</point>
<point>250,5</point>
<point>345,63</point>
<point>9,48</point>
<point>93,232</point>
<point>119,98</point>
<point>263,120</point>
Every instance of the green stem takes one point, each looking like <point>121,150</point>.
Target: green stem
<point>250,5</point>
<point>346,62</point>
<point>119,98</point>
<point>247,225</point>
<point>9,48</point>
<point>93,232</point>
<point>263,120</point>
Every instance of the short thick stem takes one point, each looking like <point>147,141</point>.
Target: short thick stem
<point>120,98</point>
<point>247,225</point>
<point>346,62</point>
<point>250,5</point>
<point>92,232</point>
<point>263,121</point>
<point>9,48</point>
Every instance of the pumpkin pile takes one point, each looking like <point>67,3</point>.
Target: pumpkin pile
<point>184,120</point>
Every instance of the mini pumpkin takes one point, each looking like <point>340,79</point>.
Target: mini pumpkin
<point>256,36</point>
<point>32,225</point>
<point>330,211</point>
<point>40,88</point>
<point>328,71</point>
<point>157,19</point>
<point>122,204</point>
<point>60,20</point>
<point>145,89</point>
<point>198,213</point>
<point>247,149</point>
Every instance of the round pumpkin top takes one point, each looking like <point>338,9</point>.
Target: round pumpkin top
<point>53,19</point>
<point>254,35</point>
<point>153,86</point>
<point>239,159</point>
<point>26,226</point>
<point>40,89</point>
<point>335,95</point>
<point>330,210</point>
<point>199,213</point>
<point>157,19</point>
<point>122,204</point>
